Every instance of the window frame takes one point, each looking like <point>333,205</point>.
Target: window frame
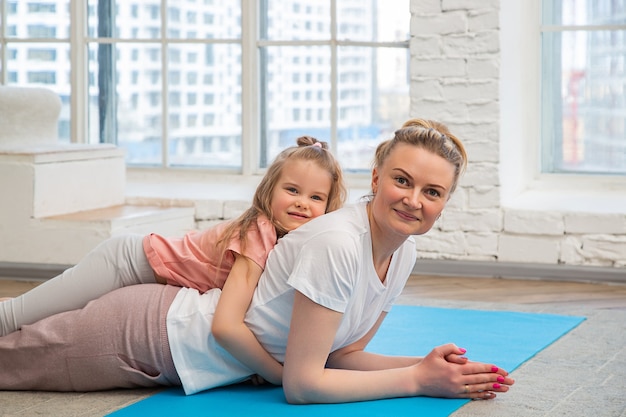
<point>523,184</point>
<point>551,151</point>
<point>251,43</point>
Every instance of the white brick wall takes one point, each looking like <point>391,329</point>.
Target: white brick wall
<point>455,57</point>
<point>522,248</point>
<point>595,223</point>
<point>533,223</point>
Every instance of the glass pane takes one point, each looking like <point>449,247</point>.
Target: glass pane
<point>584,12</point>
<point>39,20</point>
<point>373,21</point>
<point>290,20</point>
<point>43,65</point>
<point>127,20</point>
<point>125,99</point>
<point>204,105</point>
<point>296,96</point>
<point>373,101</point>
<point>584,99</point>
<point>204,20</point>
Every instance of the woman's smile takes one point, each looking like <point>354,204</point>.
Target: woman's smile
<point>406,216</point>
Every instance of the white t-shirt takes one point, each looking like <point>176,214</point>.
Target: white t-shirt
<point>329,260</point>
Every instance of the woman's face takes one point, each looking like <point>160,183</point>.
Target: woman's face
<point>410,189</point>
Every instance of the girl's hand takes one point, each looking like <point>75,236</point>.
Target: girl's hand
<point>442,373</point>
<point>257,380</point>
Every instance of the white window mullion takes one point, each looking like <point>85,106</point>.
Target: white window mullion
<point>164,88</point>
<point>3,42</point>
<point>250,124</point>
<point>79,77</point>
<point>334,110</point>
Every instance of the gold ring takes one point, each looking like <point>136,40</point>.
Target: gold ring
<point>466,389</point>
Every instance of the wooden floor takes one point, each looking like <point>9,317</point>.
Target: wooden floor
<point>516,291</point>
<point>10,287</point>
<point>493,290</point>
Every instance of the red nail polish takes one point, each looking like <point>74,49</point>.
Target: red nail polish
<point>496,385</point>
<point>500,378</point>
<point>463,350</point>
<point>494,369</point>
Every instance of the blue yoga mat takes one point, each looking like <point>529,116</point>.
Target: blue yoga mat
<point>504,338</point>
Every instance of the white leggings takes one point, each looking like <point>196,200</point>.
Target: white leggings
<point>117,262</point>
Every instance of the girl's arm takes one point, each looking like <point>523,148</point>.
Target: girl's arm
<point>307,379</point>
<point>229,328</point>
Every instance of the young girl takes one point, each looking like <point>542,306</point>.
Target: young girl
<point>303,182</point>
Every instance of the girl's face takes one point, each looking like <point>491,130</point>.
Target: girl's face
<point>411,189</point>
<point>300,194</point>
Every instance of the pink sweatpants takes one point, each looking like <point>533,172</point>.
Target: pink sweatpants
<point>117,341</point>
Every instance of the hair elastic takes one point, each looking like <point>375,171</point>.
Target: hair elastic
<point>318,144</point>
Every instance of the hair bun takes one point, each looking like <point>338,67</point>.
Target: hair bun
<point>310,141</point>
<point>430,125</point>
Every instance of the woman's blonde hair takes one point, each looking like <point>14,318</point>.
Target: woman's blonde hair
<point>308,149</point>
<point>432,136</point>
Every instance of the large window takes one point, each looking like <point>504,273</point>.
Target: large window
<point>220,85</point>
<point>583,93</point>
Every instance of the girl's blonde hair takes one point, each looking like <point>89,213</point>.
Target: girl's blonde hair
<point>432,136</point>
<point>308,149</point>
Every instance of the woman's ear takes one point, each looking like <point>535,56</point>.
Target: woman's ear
<point>374,180</point>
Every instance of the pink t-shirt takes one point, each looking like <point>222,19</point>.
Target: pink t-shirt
<point>194,260</point>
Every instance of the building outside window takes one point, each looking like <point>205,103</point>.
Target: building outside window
<point>350,59</point>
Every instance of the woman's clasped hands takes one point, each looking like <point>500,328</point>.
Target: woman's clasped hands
<point>446,372</point>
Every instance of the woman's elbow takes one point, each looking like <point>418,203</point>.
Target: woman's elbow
<point>294,395</point>
<point>299,390</point>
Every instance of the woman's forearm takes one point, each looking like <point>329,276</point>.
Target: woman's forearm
<point>340,385</point>
<point>367,361</point>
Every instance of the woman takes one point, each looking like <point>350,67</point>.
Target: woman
<point>324,293</point>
